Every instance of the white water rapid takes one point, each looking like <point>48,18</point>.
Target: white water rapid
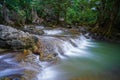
<point>66,46</point>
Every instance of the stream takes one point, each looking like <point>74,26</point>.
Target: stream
<point>80,59</point>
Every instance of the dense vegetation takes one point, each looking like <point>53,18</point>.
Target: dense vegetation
<point>102,15</point>
<point>34,11</point>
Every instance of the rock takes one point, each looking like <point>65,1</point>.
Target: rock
<point>68,26</point>
<point>74,31</point>
<point>49,57</point>
<point>34,30</point>
<point>36,50</point>
<point>35,39</point>
<point>16,44</point>
<point>15,39</point>
<point>3,44</point>
<point>31,64</point>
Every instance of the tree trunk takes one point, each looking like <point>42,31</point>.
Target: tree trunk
<point>108,18</point>
<point>6,14</point>
<point>35,17</point>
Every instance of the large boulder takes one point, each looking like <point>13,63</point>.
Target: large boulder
<point>15,39</point>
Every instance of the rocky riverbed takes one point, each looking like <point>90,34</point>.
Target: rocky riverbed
<point>56,54</point>
<point>31,45</point>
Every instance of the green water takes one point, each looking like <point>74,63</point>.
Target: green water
<point>102,62</point>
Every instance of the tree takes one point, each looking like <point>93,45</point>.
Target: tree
<point>108,17</point>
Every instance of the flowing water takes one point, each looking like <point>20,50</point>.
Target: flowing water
<point>80,59</point>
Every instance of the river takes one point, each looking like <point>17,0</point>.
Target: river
<point>80,59</point>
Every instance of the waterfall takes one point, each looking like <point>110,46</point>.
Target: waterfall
<point>66,46</point>
<point>78,58</point>
<point>55,41</point>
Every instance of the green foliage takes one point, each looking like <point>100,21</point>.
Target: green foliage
<point>82,11</point>
<point>72,11</point>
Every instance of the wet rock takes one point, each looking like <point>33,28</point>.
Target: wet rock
<point>68,26</point>
<point>84,30</point>
<point>74,31</point>
<point>31,65</point>
<point>16,43</point>
<point>35,39</point>
<point>15,39</point>
<point>34,30</point>
<point>49,57</point>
